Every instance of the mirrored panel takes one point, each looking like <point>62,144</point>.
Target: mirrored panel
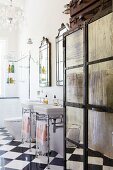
<point>44,63</point>
<point>59,55</point>
<point>100,140</point>
<point>74,138</point>
<point>74,85</point>
<point>100,38</point>
<point>101,84</point>
<point>74,48</point>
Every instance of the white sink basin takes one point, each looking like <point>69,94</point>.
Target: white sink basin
<point>29,104</point>
<point>47,109</point>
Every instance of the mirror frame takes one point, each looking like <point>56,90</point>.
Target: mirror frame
<point>45,63</point>
<point>59,38</point>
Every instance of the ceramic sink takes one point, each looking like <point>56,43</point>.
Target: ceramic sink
<point>47,109</point>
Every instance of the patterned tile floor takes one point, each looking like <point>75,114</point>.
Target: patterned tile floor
<point>96,160</point>
<point>16,156</point>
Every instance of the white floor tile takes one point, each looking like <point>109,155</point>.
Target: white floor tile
<point>3,142</point>
<point>53,167</point>
<point>11,155</point>
<point>31,152</point>
<point>17,164</point>
<point>68,156</point>
<point>74,165</point>
<point>26,145</point>
<point>2,137</point>
<point>1,133</point>
<point>42,159</point>
<point>78,151</point>
<point>107,168</point>
<point>59,156</point>
<point>7,147</point>
<point>95,160</point>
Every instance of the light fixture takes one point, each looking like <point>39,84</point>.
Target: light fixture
<point>29,41</point>
<point>10,15</point>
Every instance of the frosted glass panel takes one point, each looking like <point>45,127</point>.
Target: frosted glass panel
<point>74,134</point>
<point>100,139</point>
<point>101,84</point>
<point>74,85</point>
<point>101,38</point>
<point>74,49</point>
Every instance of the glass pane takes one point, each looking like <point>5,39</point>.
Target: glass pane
<point>57,72</point>
<point>100,140</point>
<point>43,67</point>
<point>74,49</point>
<point>74,136</point>
<point>74,85</point>
<point>59,60</point>
<point>101,84</point>
<point>44,63</point>
<point>101,38</point>
<point>61,71</point>
<point>57,52</point>
<point>61,50</point>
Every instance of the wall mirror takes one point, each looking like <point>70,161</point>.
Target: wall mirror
<point>45,63</point>
<point>59,55</point>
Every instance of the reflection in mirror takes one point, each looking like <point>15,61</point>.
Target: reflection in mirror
<point>59,55</point>
<point>74,138</point>
<point>44,63</point>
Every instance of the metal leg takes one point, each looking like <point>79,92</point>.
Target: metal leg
<point>37,148</point>
<point>22,127</point>
<point>48,162</point>
<point>30,130</point>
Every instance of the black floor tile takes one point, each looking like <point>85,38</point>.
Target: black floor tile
<point>5,134</point>
<point>2,130</point>
<point>57,161</point>
<point>52,154</point>
<point>34,146</point>
<point>107,161</point>
<point>74,157</point>
<point>14,143</point>
<point>2,152</point>
<point>35,166</point>
<point>70,150</point>
<point>20,149</point>
<point>26,157</point>
<point>95,167</point>
<point>94,153</point>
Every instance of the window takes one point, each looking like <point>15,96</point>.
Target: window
<point>3,51</point>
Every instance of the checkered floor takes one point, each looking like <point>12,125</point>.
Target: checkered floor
<point>96,160</point>
<point>16,156</point>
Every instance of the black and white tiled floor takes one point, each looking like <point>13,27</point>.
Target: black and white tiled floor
<point>96,160</point>
<point>16,156</point>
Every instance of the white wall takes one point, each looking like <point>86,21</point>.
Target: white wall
<point>9,107</point>
<point>12,47</point>
<point>43,18</point>
<point>11,37</point>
